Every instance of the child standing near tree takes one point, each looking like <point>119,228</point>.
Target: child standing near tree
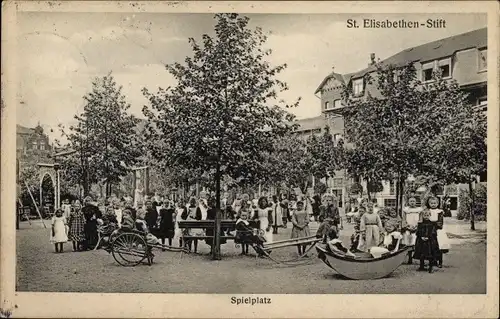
<point>437,216</point>
<point>300,222</point>
<point>59,234</point>
<point>426,246</point>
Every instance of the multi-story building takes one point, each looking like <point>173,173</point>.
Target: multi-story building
<point>462,58</point>
<point>32,145</point>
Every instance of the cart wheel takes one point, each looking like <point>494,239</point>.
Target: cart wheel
<point>129,249</point>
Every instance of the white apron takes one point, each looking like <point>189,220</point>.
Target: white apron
<point>277,215</point>
<point>264,223</point>
<point>412,216</point>
<point>443,240</point>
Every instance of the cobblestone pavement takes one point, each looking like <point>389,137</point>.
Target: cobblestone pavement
<point>40,269</point>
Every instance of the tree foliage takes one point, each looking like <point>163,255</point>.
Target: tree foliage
<point>105,138</point>
<point>410,128</point>
<point>326,155</point>
<point>222,117</point>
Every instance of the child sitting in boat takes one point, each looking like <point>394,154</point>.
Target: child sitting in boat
<point>335,244</point>
<point>356,241</point>
<point>392,227</point>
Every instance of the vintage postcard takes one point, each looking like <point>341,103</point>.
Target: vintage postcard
<point>249,159</point>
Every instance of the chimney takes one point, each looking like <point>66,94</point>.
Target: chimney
<point>372,59</point>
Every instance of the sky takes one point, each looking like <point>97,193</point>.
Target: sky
<point>59,54</point>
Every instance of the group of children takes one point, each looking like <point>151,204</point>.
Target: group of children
<point>419,228</point>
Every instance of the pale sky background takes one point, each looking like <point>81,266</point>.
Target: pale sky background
<point>60,53</point>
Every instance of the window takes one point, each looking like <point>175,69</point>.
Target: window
<point>445,67</point>
<point>338,195</point>
<point>35,145</point>
<point>483,177</point>
<point>337,104</point>
<point>427,69</point>
<point>327,105</point>
<point>42,146</point>
<point>390,202</point>
<point>392,187</point>
<point>483,60</point>
<point>357,87</point>
<point>337,182</point>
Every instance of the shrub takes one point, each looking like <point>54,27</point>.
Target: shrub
<point>480,204</point>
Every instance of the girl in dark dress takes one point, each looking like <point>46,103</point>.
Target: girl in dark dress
<point>76,227</point>
<point>151,215</point>
<point>192,212</point>
<point>167,224</point>
<point>427,247</point>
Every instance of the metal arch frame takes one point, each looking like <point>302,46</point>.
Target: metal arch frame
<point>53,171</point>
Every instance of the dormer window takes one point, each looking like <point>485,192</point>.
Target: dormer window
<point>483,60</point>
<point>445,67</point>
<point>427,69</point>
<point>357,87</point>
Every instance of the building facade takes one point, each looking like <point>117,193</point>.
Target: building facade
<point>32,145</point>
<point>462,58</point>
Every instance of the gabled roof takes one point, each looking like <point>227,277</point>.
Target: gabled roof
<point>432,50</point>
<point>334,75</point>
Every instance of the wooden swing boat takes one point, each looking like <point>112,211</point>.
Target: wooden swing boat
<point>362,266</point>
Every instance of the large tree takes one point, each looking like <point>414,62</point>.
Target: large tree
<point>105,138</point>
<point>383,128</point>
<point>222,116</point>
<point>456,151</point>
<point>409,128</point>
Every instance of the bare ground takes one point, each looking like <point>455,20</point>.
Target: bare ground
<point>40,269</point>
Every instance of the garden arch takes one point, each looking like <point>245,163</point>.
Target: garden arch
<point>52,170</point>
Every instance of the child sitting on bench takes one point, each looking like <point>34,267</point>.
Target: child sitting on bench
<point>245,233</point>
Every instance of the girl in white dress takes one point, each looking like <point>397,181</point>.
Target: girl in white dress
<point>178,213</point>
<point>277,214</point>
<point>59,233</point>
<point>437,216</point>
<point>264,215</point>
<point>411,216</point>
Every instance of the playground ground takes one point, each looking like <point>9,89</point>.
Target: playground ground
<point>40,269</point>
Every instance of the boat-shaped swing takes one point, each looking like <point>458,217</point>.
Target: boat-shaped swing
<point>362,266</point>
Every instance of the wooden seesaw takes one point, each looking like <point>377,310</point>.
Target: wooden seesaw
<point>268,247</point>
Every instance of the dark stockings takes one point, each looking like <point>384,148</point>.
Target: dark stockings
<point>275,229</point>
<point>432,262</point>
<point>244,249</point>
<point>59,247</point>
<point>410,257</point>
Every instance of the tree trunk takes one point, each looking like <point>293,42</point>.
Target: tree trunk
<point>397,195</point>
<point>217,230</point>
<point>401,196</point>
<point>472,204</point>
<point>368,189</point>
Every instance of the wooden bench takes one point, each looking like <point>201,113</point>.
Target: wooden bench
<point>210,225</point>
